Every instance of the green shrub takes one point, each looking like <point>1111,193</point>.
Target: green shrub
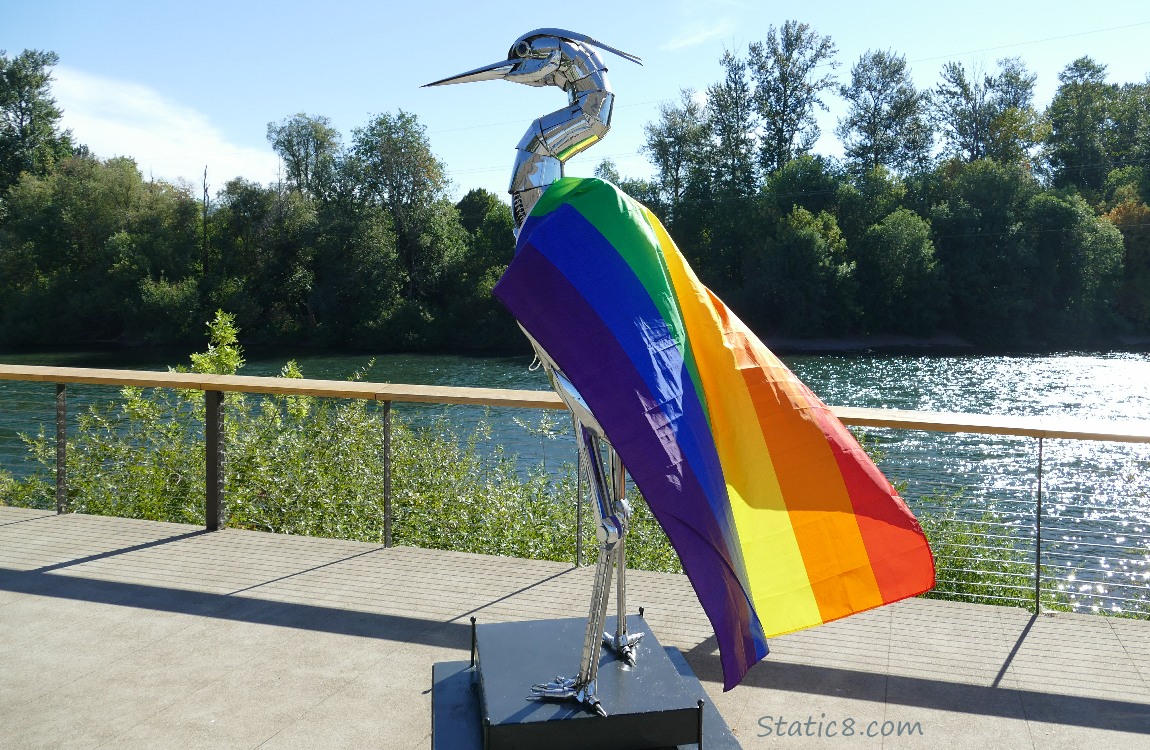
<point>315,466</point>
<point>976,561</point>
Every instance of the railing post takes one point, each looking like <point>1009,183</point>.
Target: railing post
<point>61,448</point>
<point>578,509</point>
<point>213,456</point>
<point>1038,537</point>
<point>386,473</point>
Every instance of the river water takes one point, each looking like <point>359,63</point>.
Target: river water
<point>1095,496</point>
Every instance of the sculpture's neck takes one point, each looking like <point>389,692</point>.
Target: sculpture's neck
<point>534,173</point>
<point>553,139</point>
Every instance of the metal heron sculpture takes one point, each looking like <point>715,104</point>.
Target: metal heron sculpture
<point>780,519</point>
<point>568,60</point>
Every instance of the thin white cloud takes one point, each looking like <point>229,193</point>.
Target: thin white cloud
<point>700,8</point>
<point>696,36</point>
<point>168,140</point>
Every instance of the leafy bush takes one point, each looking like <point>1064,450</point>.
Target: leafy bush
<point>973,565</point>
<point>970,564</point>
<point>315,466</point>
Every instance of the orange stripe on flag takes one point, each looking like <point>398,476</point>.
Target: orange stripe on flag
<point>816,498</point>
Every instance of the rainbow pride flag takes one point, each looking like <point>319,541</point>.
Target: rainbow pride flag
<point>779,517</point>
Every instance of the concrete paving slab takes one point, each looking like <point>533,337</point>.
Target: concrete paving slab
<point>79,639</point>
<point>916,728</point>
<point>122,633</point>
<point>352,717</point>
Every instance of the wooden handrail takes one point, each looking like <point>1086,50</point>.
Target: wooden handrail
<point>1055,428</point>
<point>402,392</point>
<point>985,424</point>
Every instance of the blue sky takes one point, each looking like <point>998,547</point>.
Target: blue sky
<point>180,86</point>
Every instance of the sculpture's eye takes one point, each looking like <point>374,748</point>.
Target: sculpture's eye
<point>523,49</point>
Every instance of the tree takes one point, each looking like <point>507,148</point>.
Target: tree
<point>358,278</point>
<point>1016,127</point>
<point>962,112</point>
<point>710,221</point>
<point>900,284</point>
<point>1078,118</point>
<point>474,207</point>
<point>396,167</point>
<point>802,283</point>
<point>704,156</point>
<point>886,123</point>
<point>987,116</point>
<point>474,319</point>
<point>266,239</point>
<point>309,147</point>
<point>442,246</point>
<point>1128,128</point>
<point>730,117</point>
<point>675,145</point>
<point>644,191</point>
<point>494,243</point>
<point>87,248</point>
<point>987,257</point>
<point>608,171</point>
<point>788,88</point>
<point>866,200</point>
<point>1133,219</point>
<point>391,165</point>
<point>1078,267</point>
<point>30,138</point>
<point>808,181</point>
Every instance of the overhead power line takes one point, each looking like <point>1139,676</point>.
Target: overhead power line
<point>1032,41</point>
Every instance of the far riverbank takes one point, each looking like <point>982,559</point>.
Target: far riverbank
<point>127,355</point>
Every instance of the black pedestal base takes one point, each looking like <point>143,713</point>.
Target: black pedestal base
<point>651,705</point>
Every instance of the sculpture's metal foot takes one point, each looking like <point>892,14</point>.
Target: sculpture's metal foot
<point>625,647</point>
<point>568,689</point>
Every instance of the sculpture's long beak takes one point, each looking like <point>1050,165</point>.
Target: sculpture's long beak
<point>492,72</point>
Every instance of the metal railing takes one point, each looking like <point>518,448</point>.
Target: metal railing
<point>1039,541</point>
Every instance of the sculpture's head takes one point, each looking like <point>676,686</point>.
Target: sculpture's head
<point>552,57</point>
<point>544,57</point>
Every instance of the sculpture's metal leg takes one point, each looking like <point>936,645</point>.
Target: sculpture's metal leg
<point>610,530</point>
<point>622,643</point>
<point>581,688</point>
<point>603,470</point>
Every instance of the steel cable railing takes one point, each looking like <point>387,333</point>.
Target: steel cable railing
<point>1076,524</point>
<point>1070,531</point>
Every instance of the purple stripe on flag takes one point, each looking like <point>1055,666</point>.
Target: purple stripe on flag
<point>600,274</point>
<point>591,356</point>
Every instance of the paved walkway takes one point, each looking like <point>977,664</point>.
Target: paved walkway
<point>132,634</point>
